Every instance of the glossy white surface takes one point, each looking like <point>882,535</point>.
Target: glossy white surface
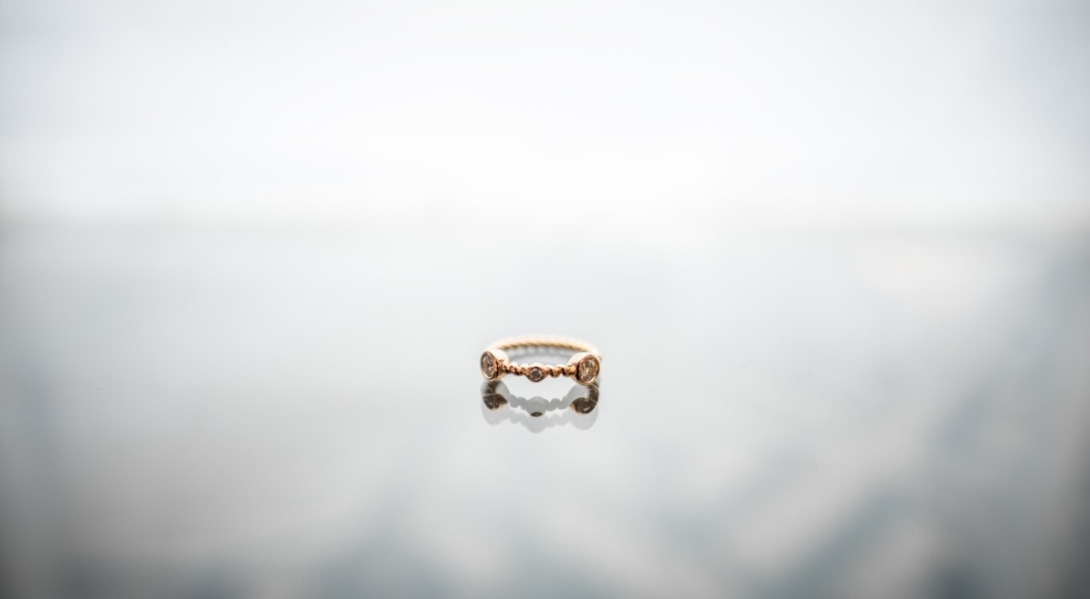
<point>291,414</point>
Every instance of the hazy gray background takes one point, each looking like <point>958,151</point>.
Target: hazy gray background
<point>692,115</point>
<point>836,257</point>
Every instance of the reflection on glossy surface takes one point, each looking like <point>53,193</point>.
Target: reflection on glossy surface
<point>577,407</point>
<point>197,416</point>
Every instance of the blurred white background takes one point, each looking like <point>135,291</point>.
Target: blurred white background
<point>694,116</point>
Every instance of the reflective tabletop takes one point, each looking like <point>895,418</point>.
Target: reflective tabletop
<point>238,413</point>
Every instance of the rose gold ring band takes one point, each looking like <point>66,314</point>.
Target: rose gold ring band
<point>584,366</point>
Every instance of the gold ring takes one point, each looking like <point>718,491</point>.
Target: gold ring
<point>584,366</point>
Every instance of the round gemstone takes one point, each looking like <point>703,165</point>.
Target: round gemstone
<point>588,369</point>
<point>536,374</point>
<point>488,365</point>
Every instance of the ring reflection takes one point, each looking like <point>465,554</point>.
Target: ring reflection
<point>577,407</point>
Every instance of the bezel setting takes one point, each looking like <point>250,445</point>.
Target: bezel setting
<point>536,373</point>
<point>587,366</point>
<point>492,364</point>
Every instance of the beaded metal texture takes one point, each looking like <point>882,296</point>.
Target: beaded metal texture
<point>584,366</point>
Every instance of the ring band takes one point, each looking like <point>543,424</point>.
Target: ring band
<point>584,366</point>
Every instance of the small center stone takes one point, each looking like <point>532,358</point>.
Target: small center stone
<point>536,374</point>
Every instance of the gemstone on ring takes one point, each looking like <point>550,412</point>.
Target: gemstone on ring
<point>489,368</point>
<point>536,374</point>
<point>588,369</point>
